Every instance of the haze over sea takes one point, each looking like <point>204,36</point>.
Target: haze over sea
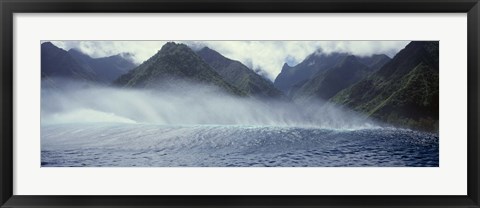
<point>138,128</point>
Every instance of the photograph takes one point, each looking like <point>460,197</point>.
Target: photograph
<point>239,103</point>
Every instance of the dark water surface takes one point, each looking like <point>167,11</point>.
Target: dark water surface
<point>142,145</point>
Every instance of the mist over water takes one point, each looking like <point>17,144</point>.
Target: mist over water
<point>85,125</point>
<point>191,104</point>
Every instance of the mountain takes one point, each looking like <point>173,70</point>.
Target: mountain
<point>403,92</point>
<point>75,65</point>
<point>374,62</point>
<point>239,75</point>
<point>323,75</point>
<point>56,62</point>
<point>326,83</point>
<point>107,69</point>
<point>173,64</point>
<point>291,78</point>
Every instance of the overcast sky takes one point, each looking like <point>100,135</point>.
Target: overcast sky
<point>269,56</point>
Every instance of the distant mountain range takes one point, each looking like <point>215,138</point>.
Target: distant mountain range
<point>323,75</point>
<point>107,69</point>
<point>326,83</point>
<point>402,91</point>
<point>291,78</point>
<point>75,65</point>
<point>56,62</point>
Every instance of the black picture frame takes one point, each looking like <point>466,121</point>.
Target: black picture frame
<point>9,7</point>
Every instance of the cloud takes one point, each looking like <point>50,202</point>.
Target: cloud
<point>265,57</point>
<point>140,50</point>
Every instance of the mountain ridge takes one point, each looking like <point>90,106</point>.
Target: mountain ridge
<point>56,62</point>
<point>292,78</point>
<point>404,92</point>
<point>325,84</point>
<point>108,68</point>
<point>75,65</point>
<point>239,75</point>
<point>170,65</point>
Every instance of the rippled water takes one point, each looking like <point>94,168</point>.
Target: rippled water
<point>128,145</point>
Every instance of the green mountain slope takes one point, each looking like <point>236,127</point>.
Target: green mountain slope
<point>404,92</point>
<point>239,75</point>
<point>173,66</point>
